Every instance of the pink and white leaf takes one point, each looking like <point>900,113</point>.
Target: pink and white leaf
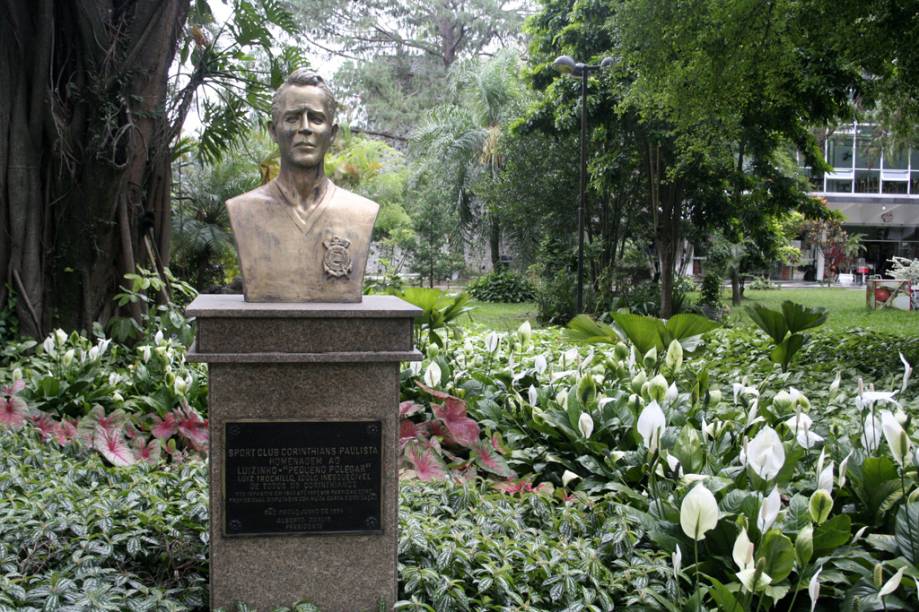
<point>408,408</point>
<point>487,458</point>
<point>13,412</point>
<point>112,445</point>
<point>453,414</point>
<point>147,451</point>
<point>424,461</point>
<point>164,428</point>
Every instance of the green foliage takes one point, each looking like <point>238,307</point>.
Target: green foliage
<point>76,533</point>
<point>463,547</point>
<point>711,290</point>
<point>555,298</point>
<point>440,313</point>
<point>502,286</point>
<point>785,327</point>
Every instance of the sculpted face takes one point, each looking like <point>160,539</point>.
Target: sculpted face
<point>304,126</point>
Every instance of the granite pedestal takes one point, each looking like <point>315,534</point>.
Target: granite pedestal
<point>303,409</point>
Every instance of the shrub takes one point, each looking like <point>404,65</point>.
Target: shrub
<point>465,547</point>
<point>502,286</point>
<point>75,533</point>
<point>711,290</point>
<point>556,298</point>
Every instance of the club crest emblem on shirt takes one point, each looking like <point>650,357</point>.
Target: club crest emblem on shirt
<point>337,260</point>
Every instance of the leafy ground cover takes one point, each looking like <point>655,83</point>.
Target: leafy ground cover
<point>539,473</point>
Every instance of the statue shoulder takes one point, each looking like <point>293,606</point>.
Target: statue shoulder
<point>259,195</point>
<point>355,202</point>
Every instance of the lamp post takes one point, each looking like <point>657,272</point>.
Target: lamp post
<point>567,66</point>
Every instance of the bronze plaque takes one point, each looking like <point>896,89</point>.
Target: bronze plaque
<point>306,477</point>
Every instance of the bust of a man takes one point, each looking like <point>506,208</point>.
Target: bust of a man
<point>300,238</point>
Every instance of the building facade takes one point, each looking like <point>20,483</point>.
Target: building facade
<point>875,185</point>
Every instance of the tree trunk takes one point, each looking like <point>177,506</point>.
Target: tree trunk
<point>84,150</point>
<point>494,243</point>
<point>736,288</point>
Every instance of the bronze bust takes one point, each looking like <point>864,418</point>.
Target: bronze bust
<point>301,238</point>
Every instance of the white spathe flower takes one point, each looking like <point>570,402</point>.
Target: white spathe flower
<point>800,425</point>
<point>158,338</point>
<point>753,414</point>
<point>871,437</point>
<point>113,379</point>
<point>747,577</point>
<point>540,364</point>
<point>569,357</point>
<point>569,476</point>
<point>415,368</point>
<point>842,470</point>
<point>525,331</point>
<point>48,346</point>
<point>743,550</point>
<point>585,425</point>
<point>677,559</point>
<point>896,437</point>
<point>181,385</point>
<point>60,336</point>
<point>145,353</point>
<point>893,584</point>
<point>825,478</point>
<point>93,353</point>
<point>603,401</point>
<point>769,510</point>
<point>67,358</point>
<point>821,459</point>
<point>651,423</point>
<point>783,401</point>
<point>907,371</point>
<point>432,374</point>
<point>671,394</point>
<point>834,386</point>
<point>491,342</point>
<point>561,398</point>
<point>532,395</point>
<point>765,453</point>
<point>674,464</point>
<point>799,398</point>
<point>674,357</point>
<point>866,399</point>
<point>698,512</point>
<point>813,588</point>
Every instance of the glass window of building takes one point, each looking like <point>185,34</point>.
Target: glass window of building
<point>896,158</point>
<point>837,186</point>
<point>839,152</point>
<point>867,181</point>
<point>867,149</point>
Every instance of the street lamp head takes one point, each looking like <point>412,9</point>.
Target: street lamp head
<point>565,64</point>
<point>606,62</point>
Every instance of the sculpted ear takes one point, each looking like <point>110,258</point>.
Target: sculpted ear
<point>271,130</point>
<point>334,132</point>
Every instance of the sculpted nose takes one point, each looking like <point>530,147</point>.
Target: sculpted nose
<point>304,124</point>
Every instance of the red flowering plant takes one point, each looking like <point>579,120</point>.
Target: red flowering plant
<point>441,440</point>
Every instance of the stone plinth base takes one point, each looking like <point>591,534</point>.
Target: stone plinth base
<point>292,366</point>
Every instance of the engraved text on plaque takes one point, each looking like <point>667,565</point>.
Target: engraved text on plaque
<point>285,477</point>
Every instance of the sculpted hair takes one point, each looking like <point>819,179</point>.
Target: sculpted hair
<point>302,77</point>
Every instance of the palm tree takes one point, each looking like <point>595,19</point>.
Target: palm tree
<point>460,143</point>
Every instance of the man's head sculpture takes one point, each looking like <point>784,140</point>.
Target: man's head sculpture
<point>303,119</point>
<point>299,237</point>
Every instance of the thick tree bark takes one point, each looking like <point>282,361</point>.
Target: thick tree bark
<point>84,150</point>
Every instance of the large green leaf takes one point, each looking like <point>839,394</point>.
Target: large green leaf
<point>798,317</point>
<point>785,351</point>
<point>684,326</point>
<point>779,553</point>
<point>907,531</point>
<point>832,534</point>
<point>874,482</point>
<point>644,332</point>
<point>770,321</point>
<point>584,329</point>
